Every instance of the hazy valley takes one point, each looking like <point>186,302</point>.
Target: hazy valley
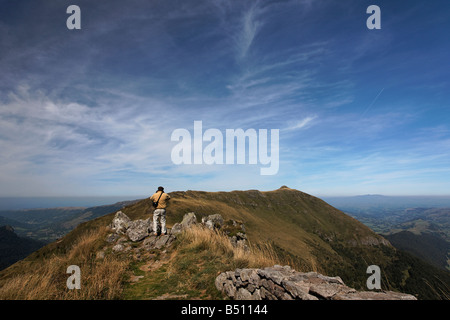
<point>418,225</point>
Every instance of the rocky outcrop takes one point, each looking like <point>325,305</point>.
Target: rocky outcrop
<point>135,230</point>
<point>120,223</point>
<point>189,220</point>
<point>284,283</point>
<point>154,242</point>
<point>214,221</point>
<point>235,230</point>
<point>139,229</point>
<point>239,240</point>
<point>369,241</point>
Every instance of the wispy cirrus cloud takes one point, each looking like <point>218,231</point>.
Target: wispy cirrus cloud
<point>250,26</point>
<point>55,137</point>
<point>302,124</point>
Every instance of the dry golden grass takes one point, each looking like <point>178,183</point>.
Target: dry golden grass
<point>46,279</point>
<point>256,256</point>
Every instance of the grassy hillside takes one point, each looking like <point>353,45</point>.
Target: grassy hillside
<point>300,229</point>
<point>426,246</point>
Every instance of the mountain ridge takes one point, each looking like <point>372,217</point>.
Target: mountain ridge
<point>300,227</point>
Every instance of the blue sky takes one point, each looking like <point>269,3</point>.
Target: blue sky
<point>91,111</point>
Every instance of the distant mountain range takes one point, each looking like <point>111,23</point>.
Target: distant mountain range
<point>24,203</point>
<point>375,204</point>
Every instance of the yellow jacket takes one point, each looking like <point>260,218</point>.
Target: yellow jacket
<point>162,204</point>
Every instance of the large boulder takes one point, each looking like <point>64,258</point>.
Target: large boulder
<point>136,230</point>
<point>120,223</point>
<point>189,220</point>
<point>284,283</point>
<point>139,229</point>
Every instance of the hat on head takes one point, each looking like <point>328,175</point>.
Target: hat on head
<point>160,189</point>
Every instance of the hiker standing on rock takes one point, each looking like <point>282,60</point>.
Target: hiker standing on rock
<point>159,200</point>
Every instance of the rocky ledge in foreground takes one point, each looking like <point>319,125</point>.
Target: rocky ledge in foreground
<point>284,283</point>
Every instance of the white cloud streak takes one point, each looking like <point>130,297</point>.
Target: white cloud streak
<point>302,124</point>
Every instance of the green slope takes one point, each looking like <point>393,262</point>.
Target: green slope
<point>427,246</point>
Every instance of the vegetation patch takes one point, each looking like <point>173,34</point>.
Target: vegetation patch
<point>189,270</point>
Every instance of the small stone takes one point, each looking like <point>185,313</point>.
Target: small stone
<point>112,237</point>
<point>100,255</point>
<point>118,248</point>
